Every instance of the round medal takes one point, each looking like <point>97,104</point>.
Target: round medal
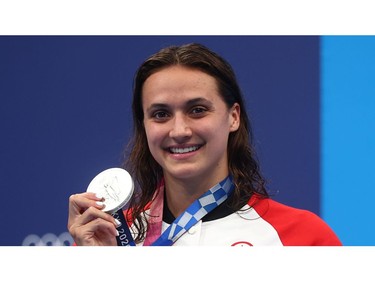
<point>115,185</point>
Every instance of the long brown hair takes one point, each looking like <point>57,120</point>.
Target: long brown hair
<point>242,162</point>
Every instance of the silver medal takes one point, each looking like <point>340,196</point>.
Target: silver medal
<point>115,185</point>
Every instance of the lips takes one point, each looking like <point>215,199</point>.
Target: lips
<point>182,150</point>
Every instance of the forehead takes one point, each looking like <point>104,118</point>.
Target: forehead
<point>178,82</point>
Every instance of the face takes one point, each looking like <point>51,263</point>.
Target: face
<point>187,124</point>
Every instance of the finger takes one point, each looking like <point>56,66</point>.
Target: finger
<point>102,226</point>
<point>96,232</point>
<point>92,214</point>
<point>79,203</point>
<point>85,226</point>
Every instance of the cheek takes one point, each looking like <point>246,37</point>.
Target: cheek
<point>213,134</point>
<point>213,127</point>
<point>217,133</point>
<point>151,142</point>
<point>154,135</point>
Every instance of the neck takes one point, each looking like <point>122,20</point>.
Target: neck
<point>180,194</point>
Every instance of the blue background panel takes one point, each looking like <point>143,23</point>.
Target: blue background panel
<point>65,116</point>
<point>348,137</point>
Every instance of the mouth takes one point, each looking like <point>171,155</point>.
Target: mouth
<point>183,150</point>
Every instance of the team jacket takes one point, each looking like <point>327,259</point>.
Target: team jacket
<point>261,222</point>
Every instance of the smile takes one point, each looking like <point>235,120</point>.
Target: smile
<point>176,150</point>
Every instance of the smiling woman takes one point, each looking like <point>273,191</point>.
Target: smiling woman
<point>197,180</point>
<point>187,127</point>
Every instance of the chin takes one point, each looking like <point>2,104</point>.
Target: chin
<point>184,173</point>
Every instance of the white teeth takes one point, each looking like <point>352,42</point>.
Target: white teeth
<point>184,150</point>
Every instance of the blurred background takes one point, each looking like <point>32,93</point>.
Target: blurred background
<point>65,115</point>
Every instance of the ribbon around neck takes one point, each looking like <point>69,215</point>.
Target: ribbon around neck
<point>194,213</point>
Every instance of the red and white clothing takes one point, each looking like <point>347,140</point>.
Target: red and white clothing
<point>261,222</point>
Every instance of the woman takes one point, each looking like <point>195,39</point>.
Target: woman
<point>194,165</point>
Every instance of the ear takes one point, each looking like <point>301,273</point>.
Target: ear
<point>234,117</point>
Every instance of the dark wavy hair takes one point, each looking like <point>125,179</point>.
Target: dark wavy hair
<point>147,173</point>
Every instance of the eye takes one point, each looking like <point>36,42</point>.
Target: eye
<point>198,111</point>
<point>160,115</point>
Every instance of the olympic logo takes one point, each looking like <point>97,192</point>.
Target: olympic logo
<point>48,239</point>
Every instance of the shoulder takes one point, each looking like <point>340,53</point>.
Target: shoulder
<point>295,226</point>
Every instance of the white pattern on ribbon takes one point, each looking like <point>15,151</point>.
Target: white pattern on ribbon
<point>196,211</point>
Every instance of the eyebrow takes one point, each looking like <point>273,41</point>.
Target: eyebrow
<point>188,104</point>
<point>198,100</point>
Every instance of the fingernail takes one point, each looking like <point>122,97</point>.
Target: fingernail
<point>99,203</point>
<point>98,196</point>
<point>117,222</point>
<point>117,233</point>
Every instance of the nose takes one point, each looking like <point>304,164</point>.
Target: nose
<point>180,129</point>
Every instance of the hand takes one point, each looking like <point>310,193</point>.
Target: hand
<point>88,224</point>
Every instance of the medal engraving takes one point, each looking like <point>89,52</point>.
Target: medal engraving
<point>115,185</point>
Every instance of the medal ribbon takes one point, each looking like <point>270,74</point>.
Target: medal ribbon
<point>124,238</point>
<point>194,213</point>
